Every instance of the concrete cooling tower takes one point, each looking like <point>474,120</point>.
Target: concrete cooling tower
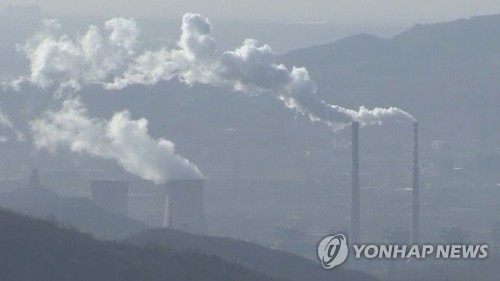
<point>184,208</point>
<point>112,195</point>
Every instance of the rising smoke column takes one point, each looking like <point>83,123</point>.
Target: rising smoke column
<point>112,59</point>
<point>66,65</point>
<point>58,61</point>
<point>120,138</point>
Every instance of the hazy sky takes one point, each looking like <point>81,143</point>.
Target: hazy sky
<point>335,11</point>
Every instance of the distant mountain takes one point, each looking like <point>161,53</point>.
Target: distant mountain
<point>278,264</point>
<point>80,213</point>
<point>35,249</point>
<point>446,74</point>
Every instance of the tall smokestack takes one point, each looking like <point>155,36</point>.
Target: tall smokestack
<point>184,206</point>
<point>355,192</point>
<point>415,232</point>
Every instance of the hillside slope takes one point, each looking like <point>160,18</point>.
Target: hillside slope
<point>277,264</point>
<point>81,213</point>
<point>34,249</point>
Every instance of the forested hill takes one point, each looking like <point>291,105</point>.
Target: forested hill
<point>271,262</point>
<point>34,249</point>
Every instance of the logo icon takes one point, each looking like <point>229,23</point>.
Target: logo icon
<point>333,251</point>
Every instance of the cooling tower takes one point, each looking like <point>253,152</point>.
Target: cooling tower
<point>355,192</point>
<point>111,195</point>
<point>415,223</point>
<point>184,208</point>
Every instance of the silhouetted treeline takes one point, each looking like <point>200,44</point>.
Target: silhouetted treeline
<point>278,264</point>
<point>36,249</point>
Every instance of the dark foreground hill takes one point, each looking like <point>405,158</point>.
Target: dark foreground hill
<point>288,266</point>
<point>35,249</point>
<point>81,213</point>
<point>273,263</point>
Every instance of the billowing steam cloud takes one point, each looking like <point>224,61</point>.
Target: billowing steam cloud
<point>112,59</point>
<point>58,61</point>
<point>121,139</point>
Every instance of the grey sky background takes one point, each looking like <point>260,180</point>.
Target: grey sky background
<point>378,12</point>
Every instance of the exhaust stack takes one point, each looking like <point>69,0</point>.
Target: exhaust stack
<point>415,232</point>
<point>355,191</point>
<point>183,209</point>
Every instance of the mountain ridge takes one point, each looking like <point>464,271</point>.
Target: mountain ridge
<point>441,72</point>
<point>274,263</point>
<point>36,249</point>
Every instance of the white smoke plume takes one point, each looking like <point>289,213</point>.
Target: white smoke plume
<point>58,61</point>
<point>112,59</point>
<point>120,138</point>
